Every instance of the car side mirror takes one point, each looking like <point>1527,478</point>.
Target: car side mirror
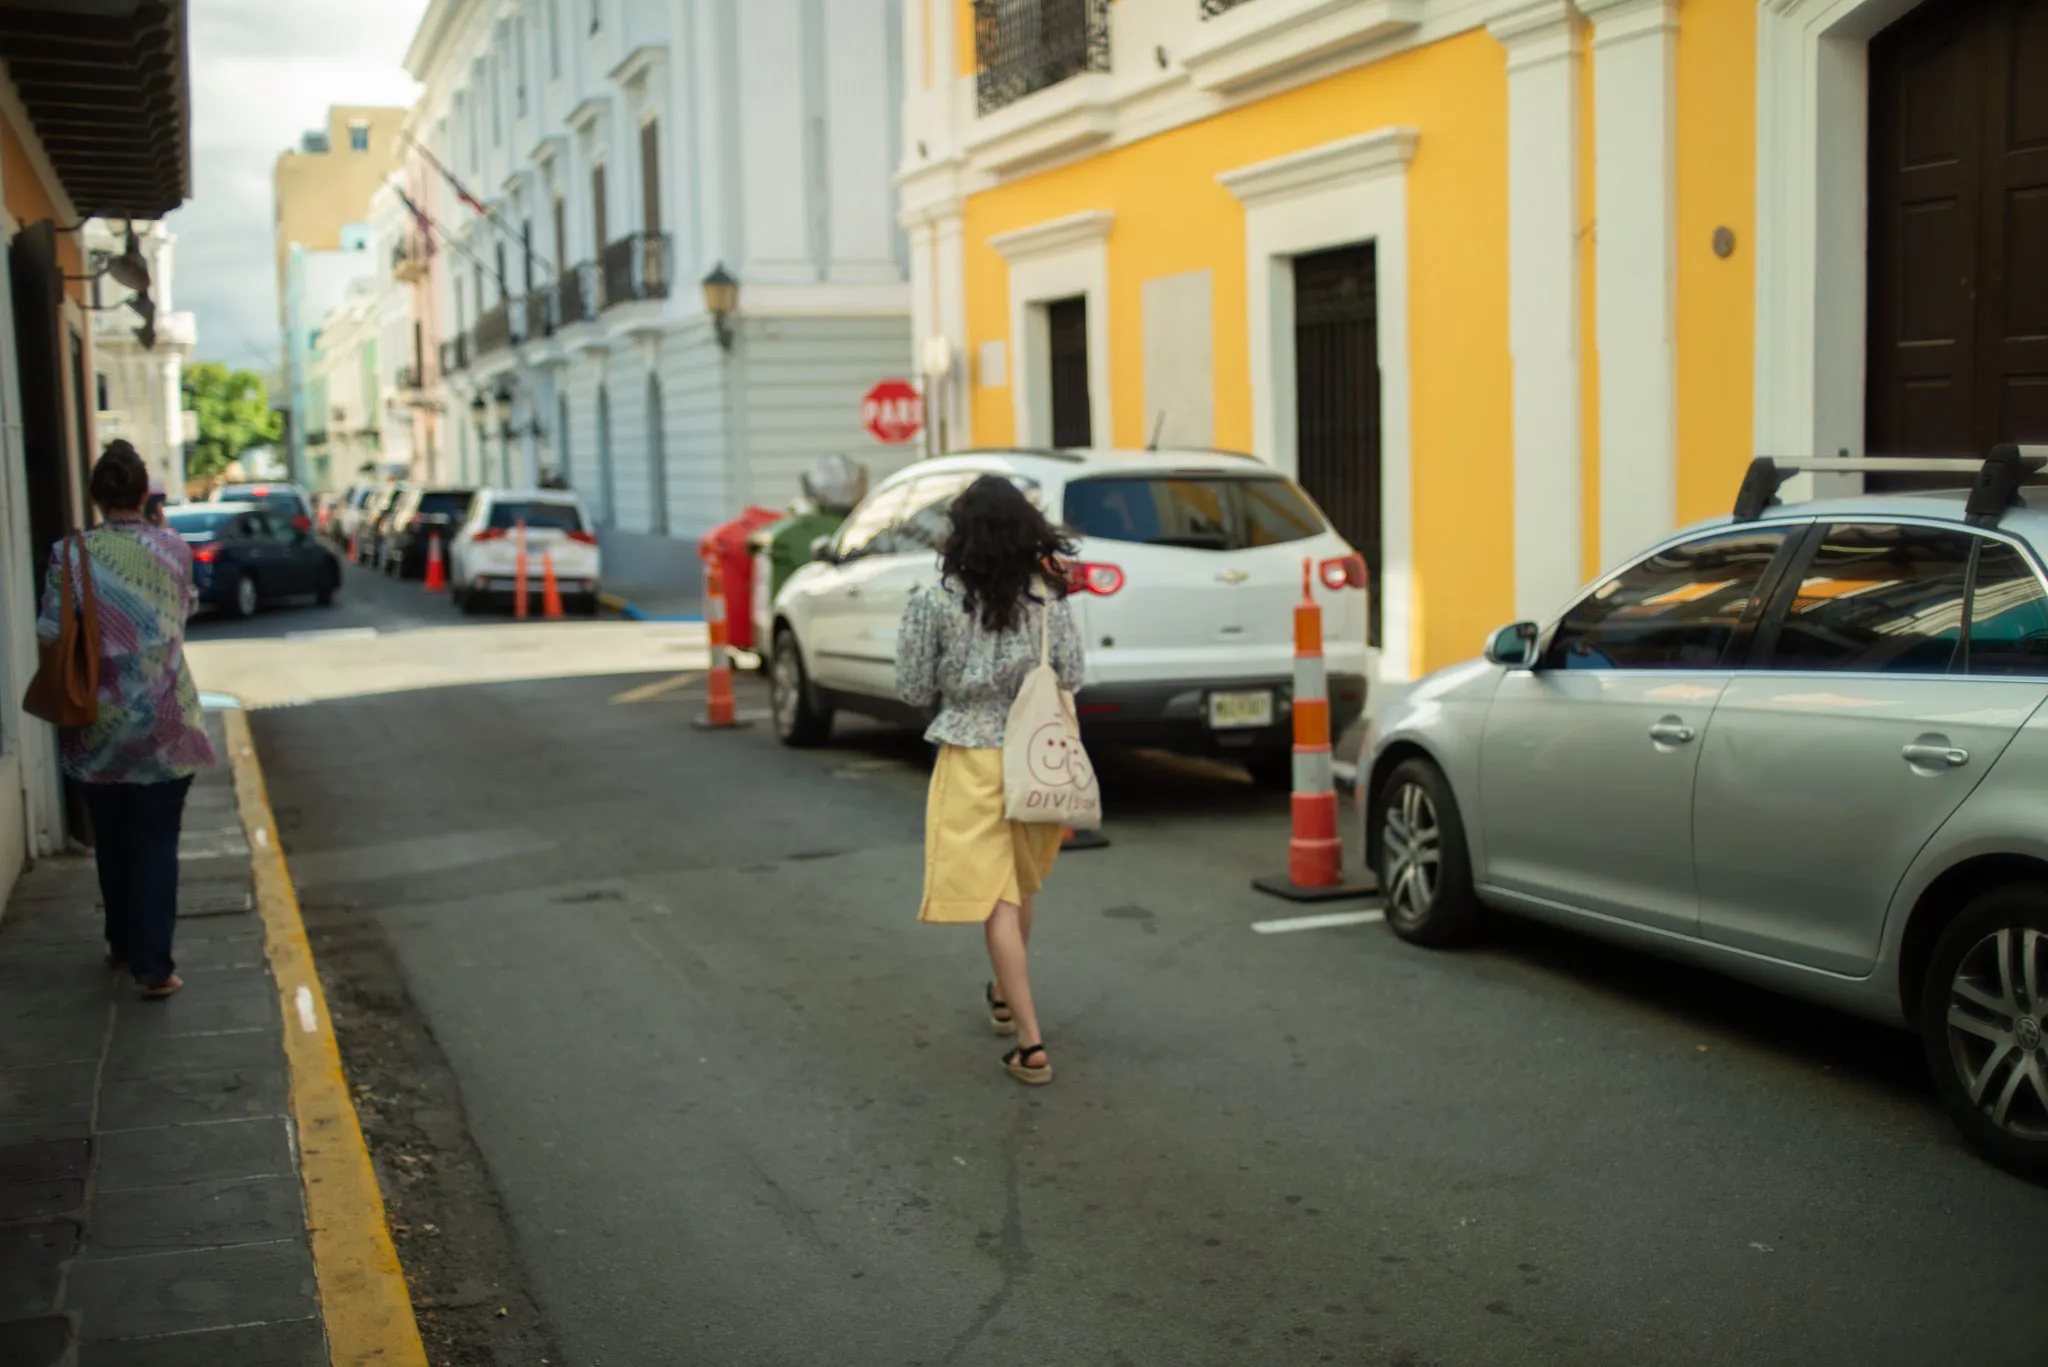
<point>821,550</point>
<point>1514,647</point>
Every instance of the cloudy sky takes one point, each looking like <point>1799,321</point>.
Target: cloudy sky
<point>263,71</point>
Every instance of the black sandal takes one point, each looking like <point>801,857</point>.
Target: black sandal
<point>1004,1026</point>
<point>1035,1074</point>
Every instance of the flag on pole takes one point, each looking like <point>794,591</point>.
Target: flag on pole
<point>419,218</point>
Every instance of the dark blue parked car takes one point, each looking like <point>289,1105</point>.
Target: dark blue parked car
<point>244,556</point>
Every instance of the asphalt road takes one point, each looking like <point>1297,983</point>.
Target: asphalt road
<point>739,1107</point>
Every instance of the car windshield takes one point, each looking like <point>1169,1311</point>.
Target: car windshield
<point>198,524</point>
<point>444,503</point>
<point>560,516</point>
<point>267,495</point>
<point>1203,512</point>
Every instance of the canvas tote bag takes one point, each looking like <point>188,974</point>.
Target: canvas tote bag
<point>1047,778</point>
<point>66,688</point>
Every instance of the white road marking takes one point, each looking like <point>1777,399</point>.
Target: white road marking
<point>307,1021</point>
<point>1325,920</point>
<point>334,634</point>
<point>262,837</point>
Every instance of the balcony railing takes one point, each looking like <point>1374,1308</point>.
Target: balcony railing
<point>407,378</point>
<point>543,311</point>
<point>1212,8</point>
<point>455,354</point>
<point>493,330</point>
<point>408,262</point>
<point>578,294</point>
<point>636,267</point>
<point>1024,46</point>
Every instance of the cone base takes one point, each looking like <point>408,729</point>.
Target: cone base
<point>1352,885</point>
<point>703,723</point>
<point>1085,840</point>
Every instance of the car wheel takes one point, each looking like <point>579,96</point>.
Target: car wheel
<point>245,599</point>
<point>1425,871</point>
<point>1984,1023</point>
<point>469,600</point>
<point>1273,769</point>
<point>330,580</point>
<point>799,720</point>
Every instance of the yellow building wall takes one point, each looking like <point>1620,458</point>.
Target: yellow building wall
<point>1172,216</point>
<point>317,193</point>
<point>29,201</point>
<point>1716,296</point>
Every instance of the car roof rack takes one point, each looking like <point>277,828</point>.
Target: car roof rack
<point>1995,478</point>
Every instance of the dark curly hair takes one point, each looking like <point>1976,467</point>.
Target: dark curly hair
<point>999,549</point>
<point>120,481</point>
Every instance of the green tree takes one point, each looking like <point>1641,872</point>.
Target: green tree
<point>234,415</point>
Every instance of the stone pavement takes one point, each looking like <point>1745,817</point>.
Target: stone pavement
<point>151,1212</point>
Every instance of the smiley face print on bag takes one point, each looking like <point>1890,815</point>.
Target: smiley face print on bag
<point>1056,761</point>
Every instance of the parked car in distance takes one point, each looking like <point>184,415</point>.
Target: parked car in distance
<point>1805,745</point>
<point>288,499</point>
<point>347,513</point>
<point>1184,584</point>
<point>419,514</point>
<point>483,559</point>
<point>369,525</point>
<point>245,555</point>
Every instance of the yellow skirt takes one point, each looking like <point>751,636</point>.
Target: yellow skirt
<point>973,856</point>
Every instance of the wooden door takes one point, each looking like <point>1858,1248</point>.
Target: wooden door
<point>1337,399</point>
<point>1958,287</point>
<point>1066,325</point>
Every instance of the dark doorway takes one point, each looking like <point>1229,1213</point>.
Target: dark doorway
<point>37,282</point>
<point>1066,326</point>
<point>1958,302</point>
<point>1337,399</point>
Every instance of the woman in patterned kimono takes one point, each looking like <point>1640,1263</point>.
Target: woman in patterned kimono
<point>966,643</point>
<point>137,759</point>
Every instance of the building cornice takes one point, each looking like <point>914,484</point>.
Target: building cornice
<point>1364,157</point>
<point>638,63</point>
<point>1054,235</point>
<point>587,112</point>
<point>1255,43</point>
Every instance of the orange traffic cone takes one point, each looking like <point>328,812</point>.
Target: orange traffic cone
<point>1315,853</point>
<point>437,573</point>
<point>550,592</point>
<point>519,574</point>
<point>353,558</point>
<point>718,705</point>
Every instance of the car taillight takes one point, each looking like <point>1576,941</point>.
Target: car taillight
<point>1344,572</point>
<point>1096,578</point>
<point>206,555</point>
<point>261,491</point>
<point>490,534</point>
<point>583,538</point>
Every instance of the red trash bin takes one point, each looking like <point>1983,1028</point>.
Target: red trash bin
<point>729,544</point>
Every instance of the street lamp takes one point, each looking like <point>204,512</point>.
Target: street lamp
<point>721,301</point>
<point>131,267</point>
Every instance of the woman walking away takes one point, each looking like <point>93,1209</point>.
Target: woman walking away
<point>137,759</point>
<point>966,644</point>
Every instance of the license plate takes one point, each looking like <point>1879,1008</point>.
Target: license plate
<point>1229,711</point>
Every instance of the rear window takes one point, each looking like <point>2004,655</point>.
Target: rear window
<point>200,522</point>
<point>444,504</point>
<point>1208,513</point>
<point>560,516</point>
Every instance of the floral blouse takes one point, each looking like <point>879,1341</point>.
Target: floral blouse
<point>150,727</point>
<point>946,656</point>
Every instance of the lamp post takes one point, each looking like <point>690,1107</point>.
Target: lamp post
<point>938,367</point>
<point>721,301</point>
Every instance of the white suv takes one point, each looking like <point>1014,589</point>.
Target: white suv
<point>1188,569</point>
<point>483,560</point>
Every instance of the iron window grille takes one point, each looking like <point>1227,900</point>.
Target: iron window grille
<point>636,267</point>
<point>1024,46</point>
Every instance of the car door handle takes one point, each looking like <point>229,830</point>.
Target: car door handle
<point>1671,731</point>
<point>1935,756</point>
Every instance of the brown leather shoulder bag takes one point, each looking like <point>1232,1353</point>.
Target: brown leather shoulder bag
<point>66,688</point>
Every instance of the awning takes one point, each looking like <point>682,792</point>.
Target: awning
<point>106,85</point>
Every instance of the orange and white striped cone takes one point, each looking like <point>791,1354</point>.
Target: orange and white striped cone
<point>719,714</point>
<point>437,572</point>
<point>550,591</point>
<point>519,573</point>
<point>1315,853</point>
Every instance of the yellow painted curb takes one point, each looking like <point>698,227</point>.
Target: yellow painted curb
<point>611,602</point>
<point>363,1296</point>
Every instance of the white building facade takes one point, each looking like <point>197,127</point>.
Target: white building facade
<point>625,150</point>
<point>140,390</point>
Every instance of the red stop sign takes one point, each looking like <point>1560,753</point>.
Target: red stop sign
<point>893,412</point>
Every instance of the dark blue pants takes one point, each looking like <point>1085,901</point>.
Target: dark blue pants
<point>135,843</point>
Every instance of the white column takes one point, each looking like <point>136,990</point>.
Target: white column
<point>774,165</point>
<point>860,160</point>
<point>950,266</point>
<point>1543,299</point>
<point>1636,209</point>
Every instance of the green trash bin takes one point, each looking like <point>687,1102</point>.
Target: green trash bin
<point>780,549</point>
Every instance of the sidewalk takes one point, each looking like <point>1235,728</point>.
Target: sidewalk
<point>152,1210</point>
